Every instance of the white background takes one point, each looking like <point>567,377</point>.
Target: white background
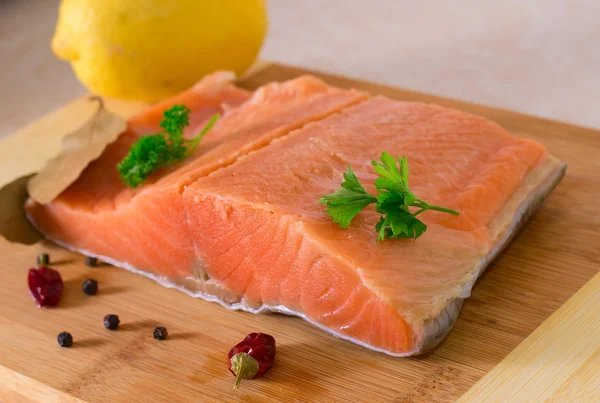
<point>533,56</point>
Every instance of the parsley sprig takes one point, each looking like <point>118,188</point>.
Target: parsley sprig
<point>155,151</point>
<point>393,201</point>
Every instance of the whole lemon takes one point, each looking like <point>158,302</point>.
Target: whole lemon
<point>146,50</point>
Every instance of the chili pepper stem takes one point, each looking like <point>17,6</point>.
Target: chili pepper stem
<point>238,377</point>
<point>243,366</point>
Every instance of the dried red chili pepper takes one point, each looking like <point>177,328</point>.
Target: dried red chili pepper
<point>252,357</point>
<point>46,286</point>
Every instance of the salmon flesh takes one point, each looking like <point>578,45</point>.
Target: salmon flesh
<point>239,221</point>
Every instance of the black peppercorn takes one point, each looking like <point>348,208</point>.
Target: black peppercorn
<point>160,333</point>
<point>65,339</point>
<point>90,287</point>
<point>91,261</point>
<point>43,259</point>
<point>111,322</point>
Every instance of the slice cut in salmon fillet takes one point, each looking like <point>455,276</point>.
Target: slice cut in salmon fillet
<point>242,225</point>
<point>102,215</point>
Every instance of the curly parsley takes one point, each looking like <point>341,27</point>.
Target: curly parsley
<point>155,151</point>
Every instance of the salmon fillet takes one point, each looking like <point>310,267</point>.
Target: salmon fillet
<point>266,238</point>
<point>240,223</point>
<point>101,214</point>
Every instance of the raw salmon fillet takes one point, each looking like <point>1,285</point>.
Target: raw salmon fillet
<point>247,231</point>
<point>102,215</point>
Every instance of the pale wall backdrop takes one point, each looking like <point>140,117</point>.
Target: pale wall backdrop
<point>535,56</point>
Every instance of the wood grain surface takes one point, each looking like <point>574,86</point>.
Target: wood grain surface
<point>558,362</point>
<point>553,257</point>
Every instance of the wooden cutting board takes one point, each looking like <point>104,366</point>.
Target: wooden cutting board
<point>554,256</point>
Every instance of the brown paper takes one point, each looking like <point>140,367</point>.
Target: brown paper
<point>79,148</point>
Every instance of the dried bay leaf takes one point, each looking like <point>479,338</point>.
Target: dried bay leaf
<point>79,148</point>
<point>14,226</point>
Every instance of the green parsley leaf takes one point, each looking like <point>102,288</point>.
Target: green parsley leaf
<point>390,177</point>
<point>393,201</point>
<point>155,151</point>
<point>347,202</point>
<point>399,223</point>
<point>176,119</point>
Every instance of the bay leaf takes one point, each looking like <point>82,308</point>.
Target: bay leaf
<point>79,148</point>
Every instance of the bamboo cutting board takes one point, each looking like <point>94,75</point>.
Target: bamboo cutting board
<point>554,256</point>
